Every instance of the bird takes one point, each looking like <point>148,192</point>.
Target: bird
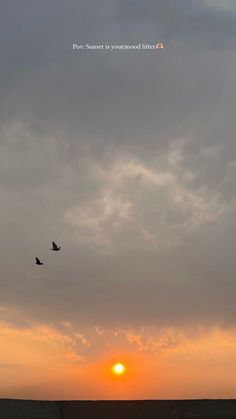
<point>55,247</point>
<point>38,262</point>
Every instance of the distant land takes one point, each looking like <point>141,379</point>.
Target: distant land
<point>136,409</point>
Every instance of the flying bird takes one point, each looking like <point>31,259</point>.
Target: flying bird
<point>55,247</point>
<point>38,262</point>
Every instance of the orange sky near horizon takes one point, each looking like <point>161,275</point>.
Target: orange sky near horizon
<point>44,363</point>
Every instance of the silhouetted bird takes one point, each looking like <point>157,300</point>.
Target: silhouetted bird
<point>55,247</point>
<point>38,262</point>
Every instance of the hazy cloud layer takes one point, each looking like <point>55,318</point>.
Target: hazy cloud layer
<point>126,159</point>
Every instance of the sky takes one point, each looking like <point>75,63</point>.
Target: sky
<point>127,159</point>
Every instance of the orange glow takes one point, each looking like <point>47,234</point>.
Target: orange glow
<point>42,362</point>
<point>118,368</point>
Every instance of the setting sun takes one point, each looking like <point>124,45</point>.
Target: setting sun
<point>118,368</point>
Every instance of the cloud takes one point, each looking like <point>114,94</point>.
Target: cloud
<point>126,160</point>
<point>156,204</point>
<point>198,24</point>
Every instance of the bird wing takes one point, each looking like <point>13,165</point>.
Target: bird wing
<point>54,245</point>
<point>37,260</point>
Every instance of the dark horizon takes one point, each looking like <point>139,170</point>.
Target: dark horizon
<point>172,409</point>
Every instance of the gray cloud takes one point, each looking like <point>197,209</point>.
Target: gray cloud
<point>198,24</point>
<point>126,159</point>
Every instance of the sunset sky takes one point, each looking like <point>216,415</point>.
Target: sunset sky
<point>127,159</point>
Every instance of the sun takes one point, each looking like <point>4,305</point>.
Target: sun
<point>118,368</point>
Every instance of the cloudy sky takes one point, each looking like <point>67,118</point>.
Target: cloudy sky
<point>127,159</point>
